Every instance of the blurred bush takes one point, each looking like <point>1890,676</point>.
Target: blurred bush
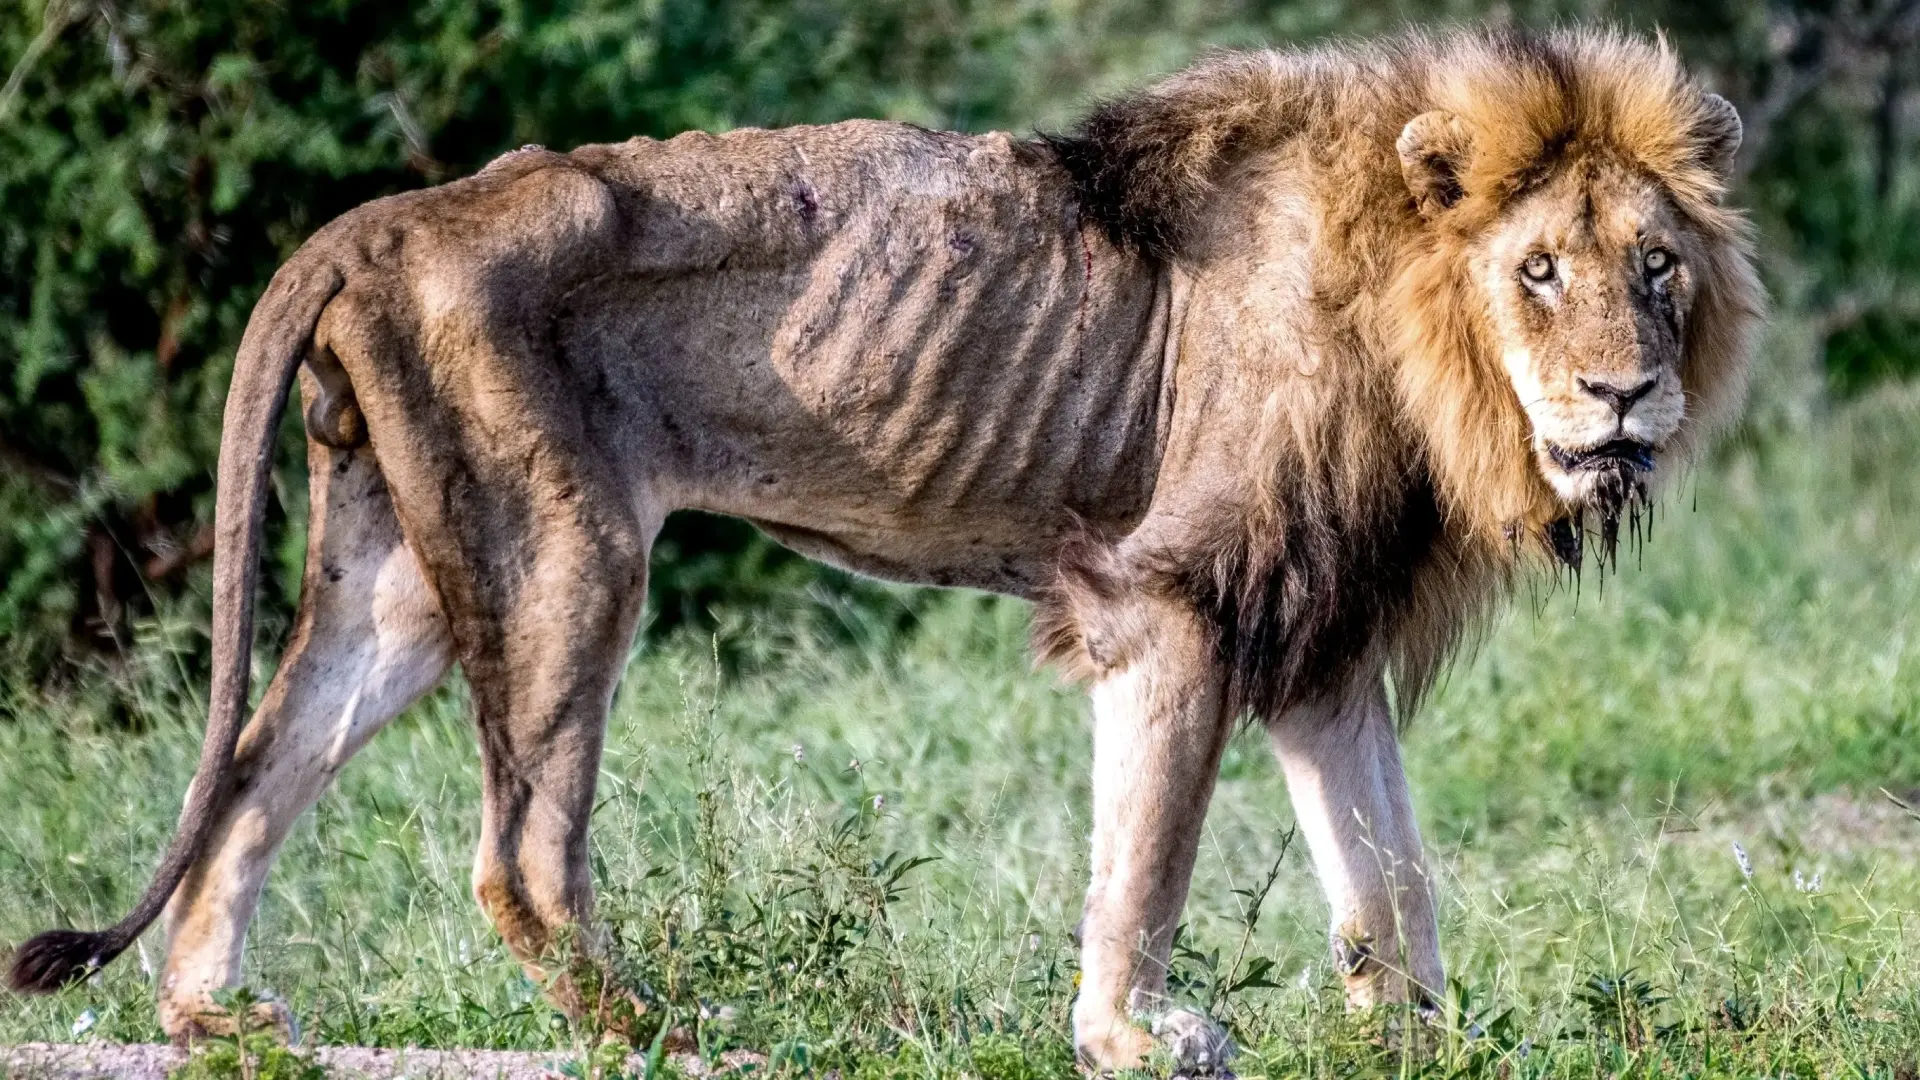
<point>158,158</point>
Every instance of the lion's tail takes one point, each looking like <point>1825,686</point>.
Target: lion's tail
<point>279,336</point>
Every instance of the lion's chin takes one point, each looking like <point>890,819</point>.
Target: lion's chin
<point>1608,481</point>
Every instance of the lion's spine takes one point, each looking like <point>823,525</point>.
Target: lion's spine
<point>278,338</point>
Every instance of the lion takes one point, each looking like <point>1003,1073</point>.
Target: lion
<point>1263,384</point>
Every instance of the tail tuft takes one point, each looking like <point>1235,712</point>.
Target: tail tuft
<point>60,958</point>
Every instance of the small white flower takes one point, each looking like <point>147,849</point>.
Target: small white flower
<point>84,1023</point>
<point>799,754</point>
<point>879,803</point>
<point>854,765</point>
<point>1746,864</point>
<point>1033,943</point>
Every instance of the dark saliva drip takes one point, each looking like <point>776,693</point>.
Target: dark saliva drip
<point>1642,532</point>
<point>1610,496</point>
<point>1619,491</point>
<point>1579,564</point>
<point>1564,542</point>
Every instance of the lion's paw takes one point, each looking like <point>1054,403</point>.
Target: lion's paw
<point>189,1017</point>
<point>1195,1042</point>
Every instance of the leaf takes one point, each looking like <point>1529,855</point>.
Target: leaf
<point>1256,976</point>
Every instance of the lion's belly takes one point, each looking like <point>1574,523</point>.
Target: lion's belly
<point>921,556</point>
<point>953,444</point>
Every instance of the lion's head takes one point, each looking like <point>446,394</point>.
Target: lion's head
<point>1567,302</point>
<point>1575,250</point>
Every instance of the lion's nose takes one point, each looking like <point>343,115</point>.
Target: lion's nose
<point>1621,398</point>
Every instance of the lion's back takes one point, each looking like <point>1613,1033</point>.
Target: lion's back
<point>885,331</point>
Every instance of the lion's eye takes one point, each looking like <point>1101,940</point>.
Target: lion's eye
<point>1538,267</point>
<point>1657,260</point>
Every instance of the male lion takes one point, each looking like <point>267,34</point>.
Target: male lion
<point>1262,384</point>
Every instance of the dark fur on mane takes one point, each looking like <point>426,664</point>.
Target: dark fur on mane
<point>1295,606</point>
<point>1118,160</point>
<point>1295,612</point>
<point>1143,165</point>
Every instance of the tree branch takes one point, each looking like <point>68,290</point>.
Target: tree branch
<point>1812,50</point>
<point>59,14</point>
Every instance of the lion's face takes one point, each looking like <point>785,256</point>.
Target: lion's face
<point>1588,283</point>
<point>1577,250</point>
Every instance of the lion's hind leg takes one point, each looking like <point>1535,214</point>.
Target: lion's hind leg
<point>544,657</point>
<point>522,481</point>
<point>544,583</point>
<point>541,691</point>
<point>368,641</point>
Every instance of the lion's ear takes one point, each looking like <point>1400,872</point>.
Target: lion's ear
<point>1718,133</point>
<point>1433,153</point>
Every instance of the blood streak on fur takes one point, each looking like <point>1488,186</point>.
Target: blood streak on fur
<point>1086,296</point>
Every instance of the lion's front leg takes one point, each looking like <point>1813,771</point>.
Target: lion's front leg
<point>1159,730</point>
<point>1342,763</point>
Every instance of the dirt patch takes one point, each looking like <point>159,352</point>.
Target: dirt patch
<point>101,1061</point>
<point>1835,825</point>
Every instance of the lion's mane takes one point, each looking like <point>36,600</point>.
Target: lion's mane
<point>1392,508</point>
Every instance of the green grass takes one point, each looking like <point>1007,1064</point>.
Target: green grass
<point>1582,776</point>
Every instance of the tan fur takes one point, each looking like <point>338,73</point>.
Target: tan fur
<point>1238,381</point>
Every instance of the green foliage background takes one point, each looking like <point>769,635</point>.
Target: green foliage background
<point>158,158</point>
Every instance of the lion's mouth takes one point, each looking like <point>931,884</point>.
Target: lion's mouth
<point>1612,483</point>
<point>1631,453</point>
